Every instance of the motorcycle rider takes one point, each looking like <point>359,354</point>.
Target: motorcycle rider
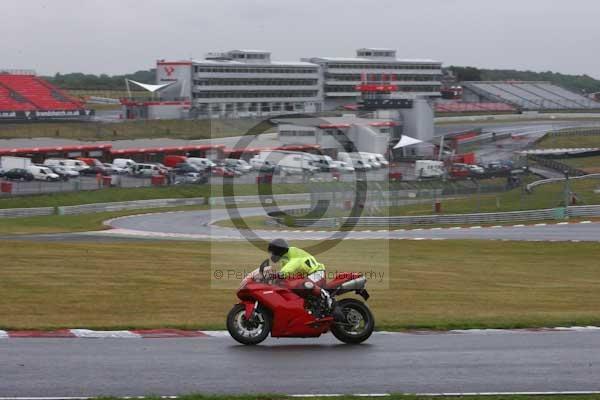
<point>301,265</point>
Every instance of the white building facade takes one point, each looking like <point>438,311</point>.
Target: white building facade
<point>340,76</point>
<point>243,83</point>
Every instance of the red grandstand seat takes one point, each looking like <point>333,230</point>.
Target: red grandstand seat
<point>39,93</point>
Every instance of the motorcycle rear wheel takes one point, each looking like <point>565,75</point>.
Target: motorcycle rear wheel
<point>359,325</point>
<point>245,331</point>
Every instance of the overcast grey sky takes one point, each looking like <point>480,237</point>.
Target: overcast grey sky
<point>119,36</point>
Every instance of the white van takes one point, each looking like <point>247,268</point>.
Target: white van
<point>429,168</point>
<point>296,164</point>
<point>148,169</point>
<point>238,165</point>
<point>42,173</point>
<point>125,163</point>
<point>354,160</point>
<point>65,162</point>
<point>202,163</point>
<point>378,157</point>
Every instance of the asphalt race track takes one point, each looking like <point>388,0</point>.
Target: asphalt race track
<point>411,363</point>
<point>196,225</point>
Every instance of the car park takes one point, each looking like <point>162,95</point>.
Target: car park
<point>18,174</point>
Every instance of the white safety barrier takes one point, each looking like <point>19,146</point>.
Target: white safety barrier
<point>450,219</point>
<point>25,212</point>
<point>129,205</point>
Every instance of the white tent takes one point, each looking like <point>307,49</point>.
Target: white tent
<point>406,141</point>
<point>151,88</point>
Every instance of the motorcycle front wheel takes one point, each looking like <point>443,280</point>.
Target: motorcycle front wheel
<point>359,324</point>
<point>248,331</point>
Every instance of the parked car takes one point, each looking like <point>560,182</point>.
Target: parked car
<point>115,170</point>
<point>148,170</point>
<point>18,174</point>
<point>204,163</point>
<point>77,165</point>
<point>95,170</point>
<point>222,171</point>
<point>64,172</point>
<point>42,173</point>
<point>185,168</point>
<point>238,165</point>
<point>191,177</point>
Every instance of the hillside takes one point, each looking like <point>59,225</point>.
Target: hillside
<point>576,83</point>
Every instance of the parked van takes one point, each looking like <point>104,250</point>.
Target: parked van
<point>42,173</point>
<point>77,165</point>
<point>355,161</point>
<point>238,165</point>
<point>148,169</point>
<point>297,164</point>
<point>203,163</point>
<point>429,169</point>
<point>378,157</point>
<point>126,163</point>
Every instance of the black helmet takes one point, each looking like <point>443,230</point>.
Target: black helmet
<point>277,248</point>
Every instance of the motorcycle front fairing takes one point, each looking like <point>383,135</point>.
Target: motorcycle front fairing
<point>290,318</point>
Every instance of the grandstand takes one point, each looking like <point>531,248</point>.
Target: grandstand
<point>24,96</point>
<point>480,107</point>
<point>538,96</point>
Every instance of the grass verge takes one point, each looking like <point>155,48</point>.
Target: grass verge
<point>425,285</point>
<point>110,195</point>
<point>179,129</point>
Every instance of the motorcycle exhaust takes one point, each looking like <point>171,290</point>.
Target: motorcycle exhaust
<point>354,284</point>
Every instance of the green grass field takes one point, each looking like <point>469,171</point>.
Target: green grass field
<point>175,129</point>
<point>433,285</point>
<point>561,142</point>
<point>145,193</point>
<point>589,164</point>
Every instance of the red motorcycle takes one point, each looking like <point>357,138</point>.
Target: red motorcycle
<point>269,306</point>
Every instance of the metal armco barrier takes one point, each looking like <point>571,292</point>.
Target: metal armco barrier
<point>554,180</point>
<point>25,212</point>
<point>129,205</point>
<point>258,199</point>
<point>481,218</point>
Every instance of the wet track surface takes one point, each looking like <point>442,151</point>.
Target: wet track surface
<point>414,363</point>
<point>195,225</point>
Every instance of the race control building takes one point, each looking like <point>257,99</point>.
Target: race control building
<point>242,83</point>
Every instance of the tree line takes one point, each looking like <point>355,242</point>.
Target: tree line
<point>80,81</point>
